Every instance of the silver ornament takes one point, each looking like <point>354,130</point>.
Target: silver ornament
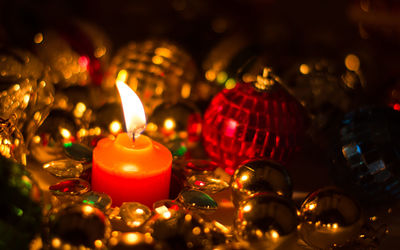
<point>329,217</point>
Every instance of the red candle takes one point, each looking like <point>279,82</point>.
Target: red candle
<point>131,169</point>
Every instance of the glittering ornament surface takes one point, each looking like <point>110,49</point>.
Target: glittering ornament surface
<point>258,176</point>
<point>157,71</point>
<point>329,217</point>
<point>11,141</point>
<point>245,122</point>
<point>368,161</point>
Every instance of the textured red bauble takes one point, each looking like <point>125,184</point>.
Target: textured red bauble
<point>248,122</point>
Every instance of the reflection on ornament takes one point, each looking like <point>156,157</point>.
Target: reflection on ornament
<point>197,200</point>
<point>78,225</point>
<point>259,176</point>
<point>64,168</point>
<point>134,214</point>
<point>130,240</point>
<point>326,89</point>
<point>106,121</point>
<point>70,187</point>
<point>253,120</point>
<point>178,126</point>
<point>179,231</point>
<point>75,54</point>
<point>78,152</point>
<point>11,141</point>
<point>207,183</point>
<point>157,71</point>
<point>21,216</point>
<point>368,162</point>
<point>329,217</point>
<point>100,200</point>
<point>48,142</point>
<point>266,221</point>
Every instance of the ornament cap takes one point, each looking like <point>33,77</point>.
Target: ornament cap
<point>266,80</point>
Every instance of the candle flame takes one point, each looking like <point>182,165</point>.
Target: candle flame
<point>135,118</point>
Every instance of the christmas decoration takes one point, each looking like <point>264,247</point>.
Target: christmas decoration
<point>73,186</point>
<point>64,168</point>
<point>208,183</point>
<point>21,216</point>
<point>106,121</point>
<point>47,144</point>
<point>134,214</point>
<point>24,92</point>
<point>197,200</point>
<point>11,141</point>
<point>157,71</point>
<point>77,53</point>
<point>325,88</point>
<point>176,125</point>
<point>253,120</point>
<point>367,157</point>
<point>100,200</point>
<point>266,221</point>
<point>329,217</point>
<point>78,152</point>
<point>259,176</point>
<point>78,225</point>
<point>178,230</point>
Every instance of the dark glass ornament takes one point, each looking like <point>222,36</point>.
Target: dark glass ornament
<point>179,231</point>
<point>78,152</point>
<point>330,217</point>
<point>79,225</point>
<point>48,142</point>
<point>266,221</point>
<point>367,156</point>
<point>20,210</point>
<point>176,125</point>
<point>107,120</point>
<point>259,176</point>
<point>327,89</point>
<point>197,200</point>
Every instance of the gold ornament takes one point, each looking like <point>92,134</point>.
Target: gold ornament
<point>157,71</point>
<point>24,94</point>
<point>11,141</point>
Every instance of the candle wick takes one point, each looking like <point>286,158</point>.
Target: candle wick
<point>136,132</point>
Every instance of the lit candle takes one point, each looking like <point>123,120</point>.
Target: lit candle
<point>132,167</point>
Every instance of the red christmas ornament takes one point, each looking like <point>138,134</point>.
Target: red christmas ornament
<point>259,119</point>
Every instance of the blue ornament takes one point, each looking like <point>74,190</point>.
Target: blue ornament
<point>369,156</point>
